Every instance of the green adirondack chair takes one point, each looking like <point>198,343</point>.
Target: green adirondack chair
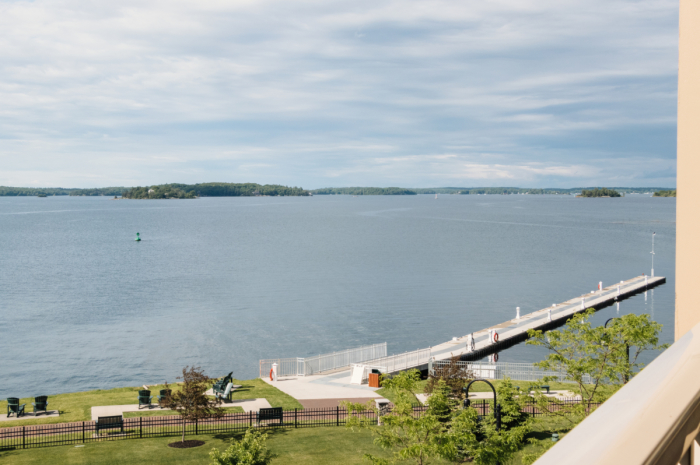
<point>164,393</point>
<point>145,398</point>
<point>40,404</point>
<point>14,407</point>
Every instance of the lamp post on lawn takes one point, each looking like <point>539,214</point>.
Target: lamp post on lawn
<point>496,407</point>
<point>626,346</point>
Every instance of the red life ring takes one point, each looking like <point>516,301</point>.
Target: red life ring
<point>271,375</point>
<point>495,358</point>
<point>495,336</point>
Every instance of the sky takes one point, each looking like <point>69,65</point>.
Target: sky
<point>314,94</point>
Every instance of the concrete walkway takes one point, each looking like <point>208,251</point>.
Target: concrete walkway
<point>30,416</point>
<point>335,386</point>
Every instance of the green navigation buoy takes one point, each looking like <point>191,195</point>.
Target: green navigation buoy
<point>138,239</point>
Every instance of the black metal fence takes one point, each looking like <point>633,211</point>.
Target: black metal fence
<point>26,437</point>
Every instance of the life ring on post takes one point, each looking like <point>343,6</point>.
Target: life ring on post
<point>271,375</point>
<point>495,336</point>
<point>495,358</point>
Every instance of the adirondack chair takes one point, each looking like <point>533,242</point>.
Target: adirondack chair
<point>220,386</point>
<point>164,394</point>
<point>40,404</point>
<point>145,398</point>
<point>14,407</point>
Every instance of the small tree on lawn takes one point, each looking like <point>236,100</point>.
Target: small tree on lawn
<point>453,374</point>
<point>250,450</point>
<point>191,400</point>
<point>594,358</point>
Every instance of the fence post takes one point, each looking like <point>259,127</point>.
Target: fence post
<point>337,416</point>
<point>295,418</point>
<point>23,436</point>
<point>140,427</point>
<point>250,417</point>
<point>83,432</point>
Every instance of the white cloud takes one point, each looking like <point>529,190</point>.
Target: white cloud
<point>310,92</point>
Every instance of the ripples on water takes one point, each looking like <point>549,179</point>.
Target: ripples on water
<point>223,282</point>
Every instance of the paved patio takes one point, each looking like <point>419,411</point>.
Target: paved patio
<point>333,386</point>
<point>30,416</point>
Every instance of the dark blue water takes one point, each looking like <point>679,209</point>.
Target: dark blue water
<point>224,282</point>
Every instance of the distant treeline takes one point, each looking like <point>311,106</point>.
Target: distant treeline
<point>34,191</point>
<point>602,192</point>
<point>468,190</point>
<point>665,193</point>
<point>212,189</point>
<point>364,191</point>
<point>158,192</point>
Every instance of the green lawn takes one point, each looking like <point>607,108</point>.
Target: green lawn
<point>289,446</point>
<point>294,446</point>
<point>257,388</point>
<point>76,406</point>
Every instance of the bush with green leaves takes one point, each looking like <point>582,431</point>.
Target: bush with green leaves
<point>250,450</point>
<point>444,430</point>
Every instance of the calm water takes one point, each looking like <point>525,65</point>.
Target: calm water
<point>223,282</point>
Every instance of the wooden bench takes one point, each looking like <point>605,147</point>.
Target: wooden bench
<point>271,414</point>
<point>109,423</point>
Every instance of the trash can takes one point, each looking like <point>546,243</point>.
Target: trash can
<point>374,379</point>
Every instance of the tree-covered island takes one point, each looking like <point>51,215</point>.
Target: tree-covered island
<point>158,192</point>
<point>602,192</point>
<point>211,189</point>
<point>669,193</point>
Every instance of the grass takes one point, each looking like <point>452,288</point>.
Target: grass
<point>257,388</point>
<point>162,413</point>
<point>323,446</point>
<point>76,406</point>
<point>290,446</point>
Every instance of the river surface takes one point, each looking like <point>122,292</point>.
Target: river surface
<point>223,282</point>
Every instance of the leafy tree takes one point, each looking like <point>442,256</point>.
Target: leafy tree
<point>191,400</point>
<point>454,375</point>
<point>250,450</point>
<point>445,430</point>
<point>594,358</point>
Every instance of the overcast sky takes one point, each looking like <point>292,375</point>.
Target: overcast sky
<point>311,93</point>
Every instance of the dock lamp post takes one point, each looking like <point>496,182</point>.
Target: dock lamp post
<point>496,407</point>
<point>652,254</point>
<point>627,347</point>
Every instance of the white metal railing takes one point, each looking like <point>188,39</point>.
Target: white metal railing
<point>398,362</point>
<point>514,371</point>
<point>319,363</point>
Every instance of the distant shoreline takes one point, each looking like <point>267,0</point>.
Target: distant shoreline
<point>274,190</point>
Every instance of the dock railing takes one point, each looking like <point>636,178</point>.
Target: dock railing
<point>305,366</point>
<point>513,370</point>
<point>399,362</point>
